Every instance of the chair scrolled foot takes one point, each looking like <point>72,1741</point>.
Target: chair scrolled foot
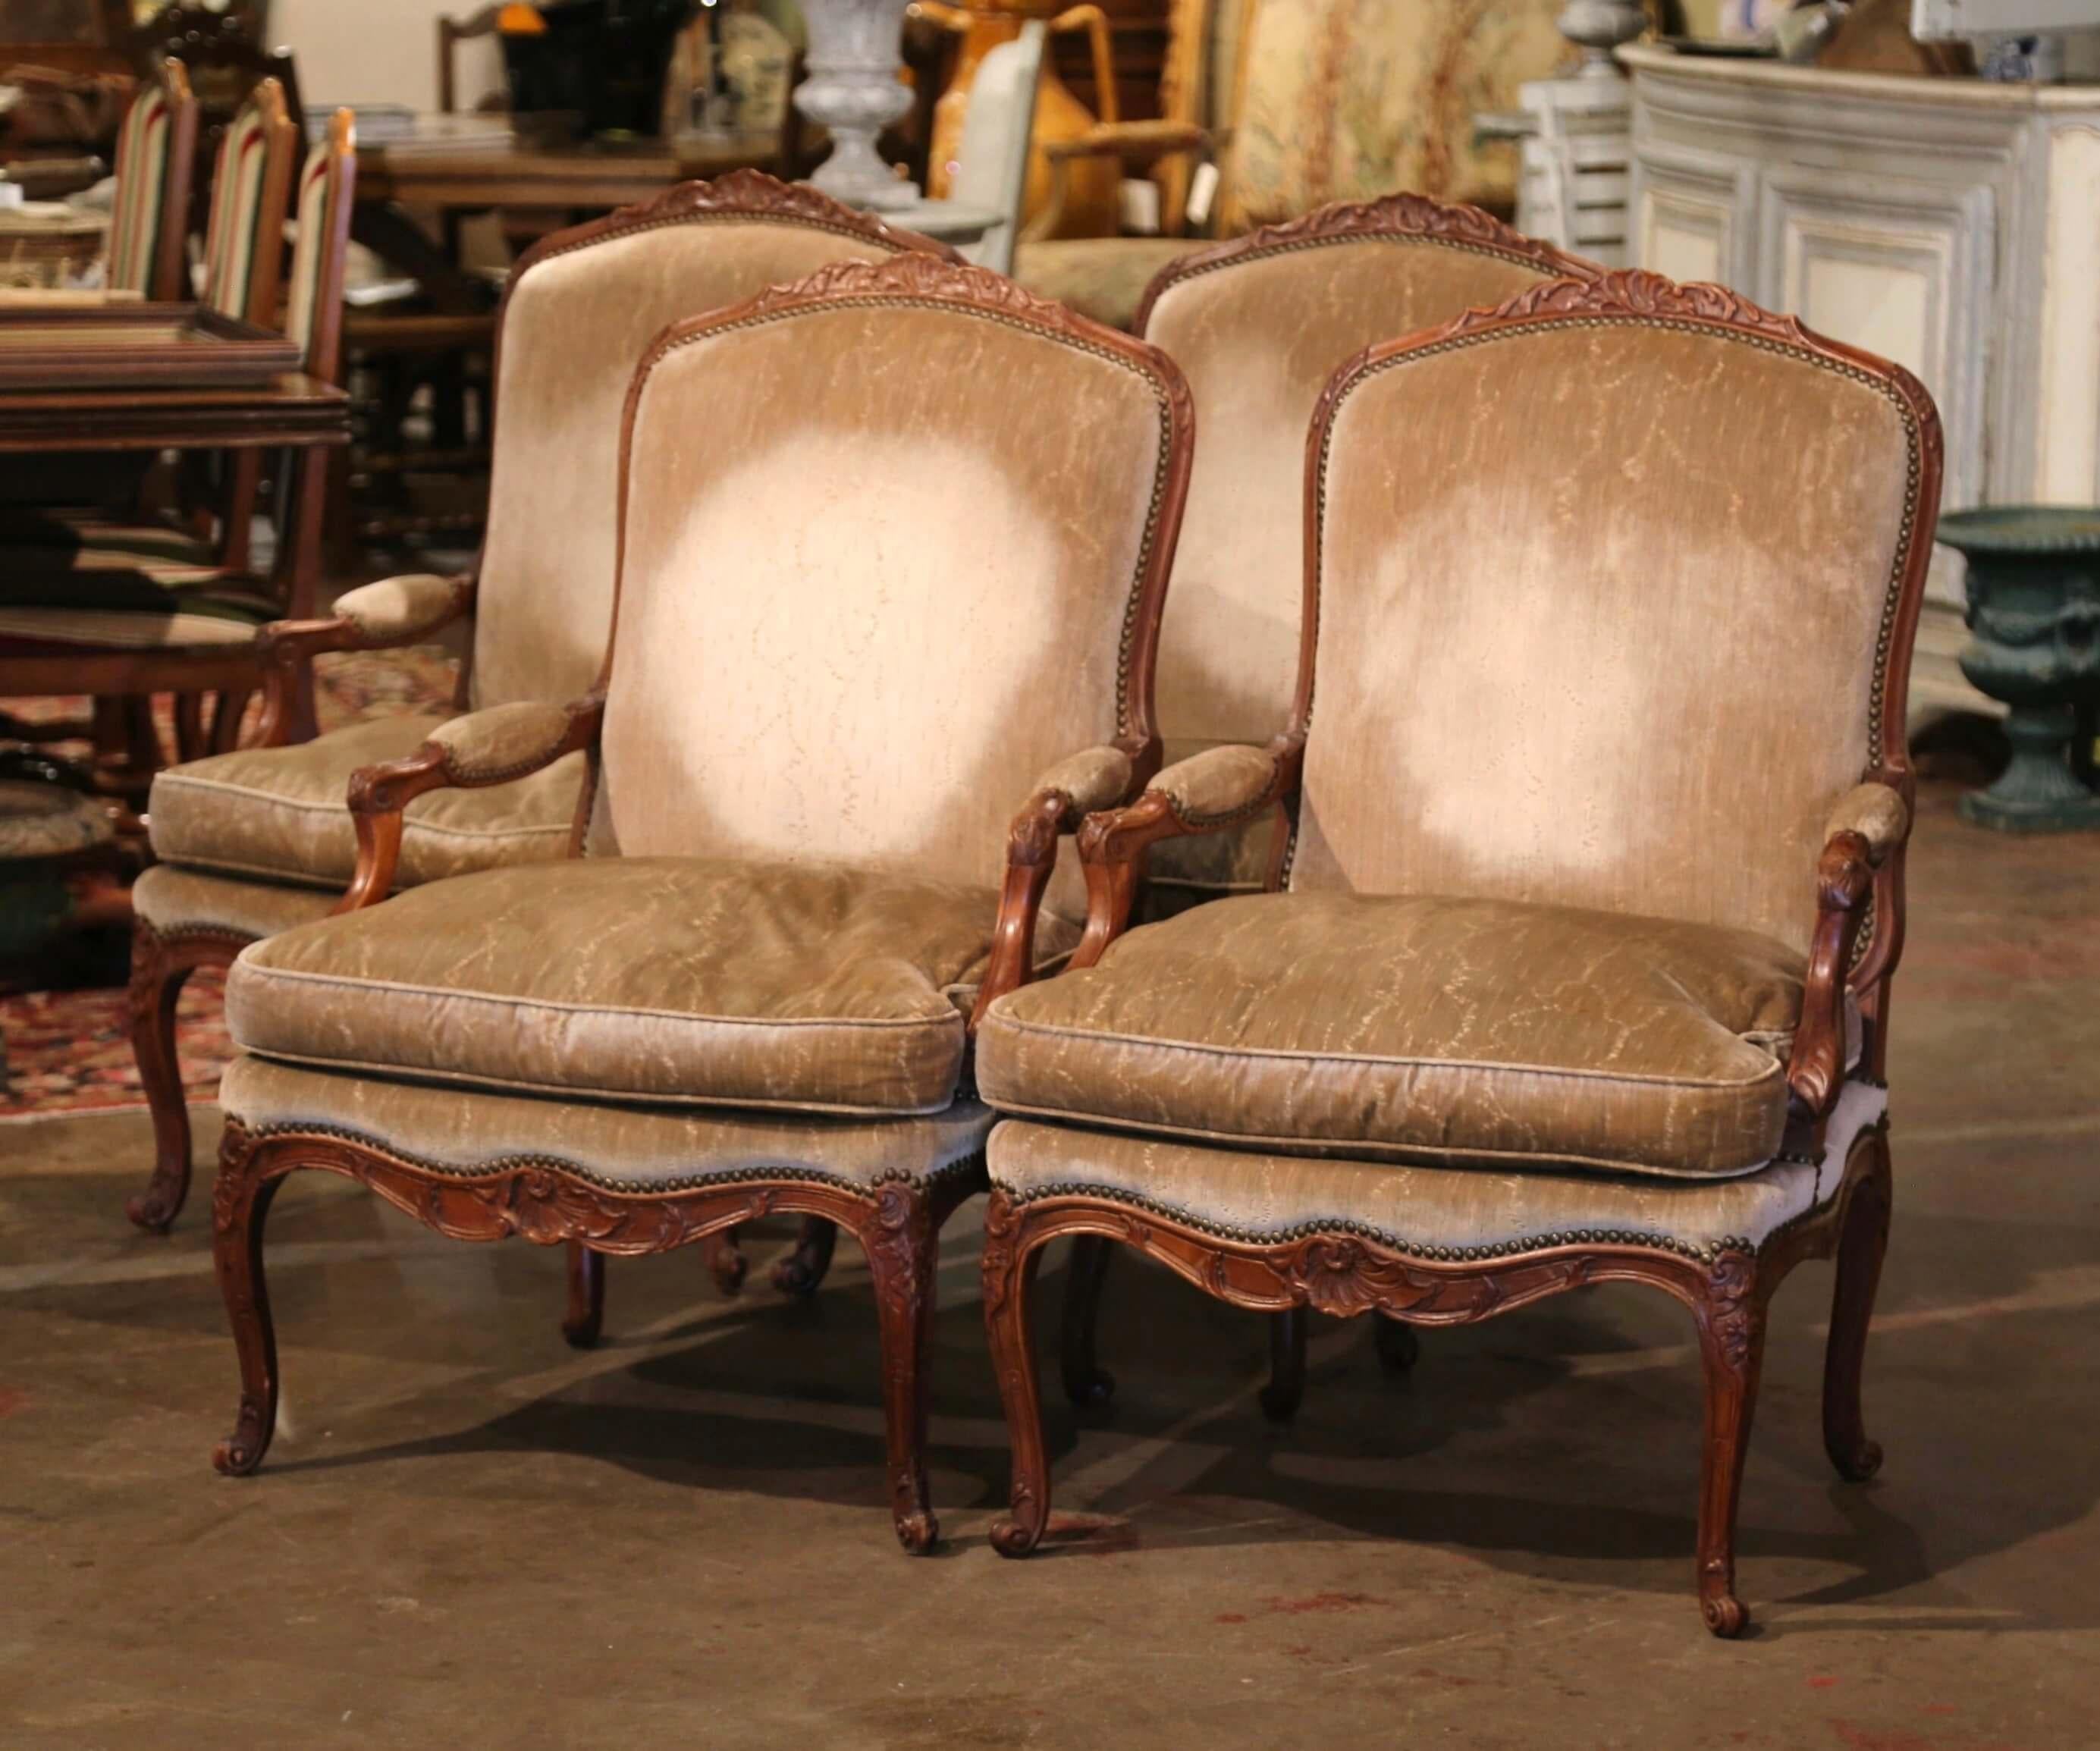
<point>802,1272</point>
<point>155,1209</point>
<point>726,1262</point>
<point>1399,1349</point>
<point>1017,1533</point>
<point>1857,1464</point>
<point>1727,1617</point>
<point>241,1452</point>
<point>918,1532</point>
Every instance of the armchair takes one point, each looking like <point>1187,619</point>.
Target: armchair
<point>1298,105</point>
<point>798,872</point>
<point>1259,324</point>
<point>1593,887</point>
<point>255,839</point>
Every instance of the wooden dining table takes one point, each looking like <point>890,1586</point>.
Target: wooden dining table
<point>99,411</point>
<point>446,175</point>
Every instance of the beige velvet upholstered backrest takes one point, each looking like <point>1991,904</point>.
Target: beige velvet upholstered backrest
<point>915,562</point>
<point>1259,325</point>
<point>1615,593</point>
<point>581,309</point>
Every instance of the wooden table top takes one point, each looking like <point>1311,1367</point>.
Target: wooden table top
<point>520,175</point>
<point>291,409</point>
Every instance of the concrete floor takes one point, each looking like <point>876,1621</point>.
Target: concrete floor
<point>468,1536</point>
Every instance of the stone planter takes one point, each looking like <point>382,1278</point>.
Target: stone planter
<point>2034,614</point>
<point>852,92</point>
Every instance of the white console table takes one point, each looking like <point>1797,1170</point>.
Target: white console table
<point>1952,225</point>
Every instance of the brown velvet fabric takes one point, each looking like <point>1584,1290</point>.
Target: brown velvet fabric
<point>1258,340</point>
<point>282,813</point>
<point>399,609</point>
<point>1877,813</point>
<point>678,979</point>
<point>889,592</point>
<point>1095,778</point>
<point>573,329</point>
<point>1217,782</point>
<point>1427,1029</point>
<point>640,1149</point>
<point>1101,277</point>
<point>1432,1210</point>
<point>177,902</point>
<point>1598,606</point>
<point>502,738</point>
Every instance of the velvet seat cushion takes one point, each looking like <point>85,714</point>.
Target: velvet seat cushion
<point>1432,1212</point>
<point>282,813</point>
<point>622,1149</point>
<point>1419,1028</point>
<point>175,901</point>
<point>684,980</point>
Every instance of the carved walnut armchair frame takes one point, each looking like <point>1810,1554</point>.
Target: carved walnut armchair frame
<point>285,649</point>
<point>1402,218</point>
<point>1856,889</point>
<point>896,1222</point>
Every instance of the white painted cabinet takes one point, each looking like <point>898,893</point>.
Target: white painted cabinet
<point>1950,224</point>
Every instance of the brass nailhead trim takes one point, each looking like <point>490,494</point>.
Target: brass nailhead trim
<point>1365,1231</point>
<point>506,1164</point>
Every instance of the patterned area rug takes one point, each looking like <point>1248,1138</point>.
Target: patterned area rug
<point>70,1051</point>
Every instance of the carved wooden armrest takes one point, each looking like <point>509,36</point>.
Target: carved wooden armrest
<point>401,611</point>
<point>1207,793</point>
<point>486,748</point>
<point>1869,825</point>
<point>1878,813</point>
<point>1135,143</point>
<point>1097,778</point>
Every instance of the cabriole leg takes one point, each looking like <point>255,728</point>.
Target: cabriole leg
<point>240,1205</point>
<point>157,978</point>
<point>1860,1245</point>
<point>585,1318</point>
<point>725,1261</point>
<point>802,1272</point>
<point>899,1242</point>
<point>1009,1278</point>
<point>1731,1342</point>
<point>1286,1390</point>
<point>1399,1349</point>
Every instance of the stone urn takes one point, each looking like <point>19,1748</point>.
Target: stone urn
<point>2034,613</point>
<point>854,92</point>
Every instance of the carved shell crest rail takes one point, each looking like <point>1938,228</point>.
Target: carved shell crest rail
<point>1398,215</point>
<point>920,276</point>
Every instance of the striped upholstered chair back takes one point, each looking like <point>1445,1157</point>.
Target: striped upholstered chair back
<point>154,150</point>
<point>313,308</point>
<point>251,183</point>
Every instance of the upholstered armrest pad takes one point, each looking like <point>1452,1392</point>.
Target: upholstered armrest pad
<point>1877,813</point>
<point>1218,782</point>
<point>504,741</point>
<point>394,610</point>
<point>1095,778</point>
<point>1131,141</point>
